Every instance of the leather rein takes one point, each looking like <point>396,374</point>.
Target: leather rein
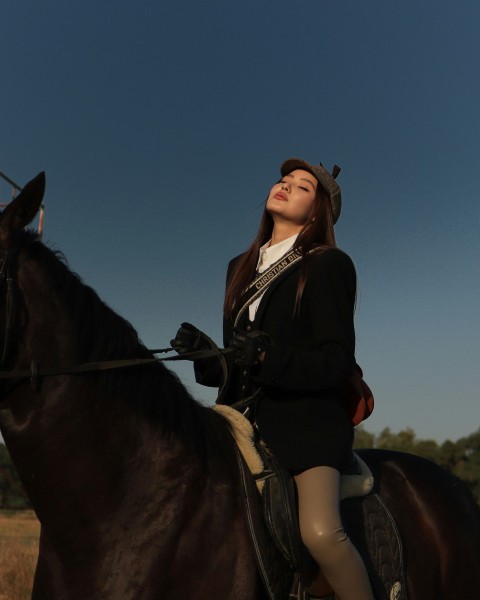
<point>34,373</point>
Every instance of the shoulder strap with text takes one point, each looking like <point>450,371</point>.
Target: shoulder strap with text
<point>263,280</point>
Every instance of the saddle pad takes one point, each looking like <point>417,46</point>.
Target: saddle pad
<point>242,431</point>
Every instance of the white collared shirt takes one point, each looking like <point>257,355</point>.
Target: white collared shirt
<point>269,255</point>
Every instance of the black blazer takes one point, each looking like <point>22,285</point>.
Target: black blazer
<point>312,353</point>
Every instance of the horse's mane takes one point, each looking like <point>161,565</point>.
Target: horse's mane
<point>101,335</point>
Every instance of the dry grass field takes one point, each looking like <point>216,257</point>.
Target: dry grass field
<point>19,532</point>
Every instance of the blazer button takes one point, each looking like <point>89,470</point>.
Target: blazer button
<point>244,373</point>
<point>249,327</point>
<point>244,387</point>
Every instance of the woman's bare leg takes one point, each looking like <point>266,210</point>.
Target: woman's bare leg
<point>323,534</point>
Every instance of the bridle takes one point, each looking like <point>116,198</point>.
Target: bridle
<point>7,282</point>
<point>34,373</point>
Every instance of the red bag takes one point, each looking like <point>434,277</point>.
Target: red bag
<point>358,397</point>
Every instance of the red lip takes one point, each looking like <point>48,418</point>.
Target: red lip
<point>281,196</point>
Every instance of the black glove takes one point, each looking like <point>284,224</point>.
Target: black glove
<point>188,339</point>
<point>248,346</point>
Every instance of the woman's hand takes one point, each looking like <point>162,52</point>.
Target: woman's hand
<point>188,339</point>
<point>249,348</point>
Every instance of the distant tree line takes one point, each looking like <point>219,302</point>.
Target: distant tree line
<point>462,458</point>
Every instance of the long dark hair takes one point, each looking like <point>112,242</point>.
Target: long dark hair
<point>317,233</point>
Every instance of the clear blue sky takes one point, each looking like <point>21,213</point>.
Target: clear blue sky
<point>161,127</point>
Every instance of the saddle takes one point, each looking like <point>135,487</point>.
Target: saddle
<point>288,571</point>
<point>366,519</point>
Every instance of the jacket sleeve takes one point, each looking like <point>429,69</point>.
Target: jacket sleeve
<point>209,371</point>
<point>328,303</point>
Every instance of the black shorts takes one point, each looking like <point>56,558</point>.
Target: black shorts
<point>306,432</point>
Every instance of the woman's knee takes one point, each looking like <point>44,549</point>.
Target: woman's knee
<point>323,543</point>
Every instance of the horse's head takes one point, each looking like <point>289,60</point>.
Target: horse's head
<point>21,211</point>
<point>13,220</point>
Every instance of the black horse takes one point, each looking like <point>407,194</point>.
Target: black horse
<point>135,483</point>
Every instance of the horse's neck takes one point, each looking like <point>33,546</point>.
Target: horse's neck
<point>74,443</point>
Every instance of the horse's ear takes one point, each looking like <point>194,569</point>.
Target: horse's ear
<point>21,211</point>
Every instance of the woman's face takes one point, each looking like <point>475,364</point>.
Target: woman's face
<point>292,198</point>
